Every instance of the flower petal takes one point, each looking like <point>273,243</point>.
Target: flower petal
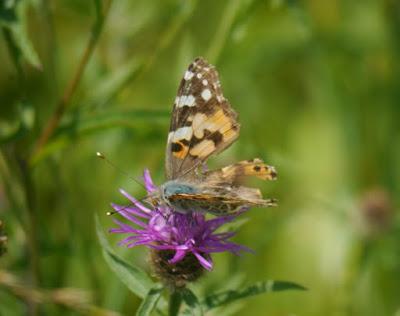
<point>148,182</point>
<point>134,201</point>
<point>125,227</point>
<point>130,209</point>
<point>133,219</point>
<point>179,255</point>
<point>206,264</point>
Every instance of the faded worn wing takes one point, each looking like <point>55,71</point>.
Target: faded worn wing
<point>236,173</point>
<point>220,201</point>
<point>203,122</point>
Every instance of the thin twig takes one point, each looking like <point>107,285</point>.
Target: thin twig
<point>26,178</point>
<point>75,299</point>
<point>73,84</point>
<point>46,14</point>
<point>32,236</point>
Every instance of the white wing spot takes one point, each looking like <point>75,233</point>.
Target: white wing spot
<point>183,133</point>
<point>205,82</point>
<point>188,100</point>
<point>188,75</point>
<point>206,94</point>
<point>176,101</point>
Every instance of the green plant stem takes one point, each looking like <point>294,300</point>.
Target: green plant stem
<point>232,7</point>
<point>179,20</point>
<point>175,301</point>
<point>14,54</point>
<point>170,33</point>
<point>28,187</point>
<point>64,102</point>
<point>32,236</point>
<point>51,47</point>
<point>74,299</point>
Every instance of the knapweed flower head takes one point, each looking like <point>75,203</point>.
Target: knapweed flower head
<point>181,244</point>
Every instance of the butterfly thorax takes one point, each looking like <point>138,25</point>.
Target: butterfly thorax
<point>174,188</point>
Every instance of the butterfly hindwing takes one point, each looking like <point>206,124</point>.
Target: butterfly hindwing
<point>234,174</point>
<point>203,122</point>
<point>220,201</point>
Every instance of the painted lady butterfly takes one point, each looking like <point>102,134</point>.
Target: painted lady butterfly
<point>202,124</point>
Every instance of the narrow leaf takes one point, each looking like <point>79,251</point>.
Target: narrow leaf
<point>109,86</point>
<point>21,37</point>
<point>230,296</point>
<point>87,125</point>
<point>192,301</point>
<point>149,302</point>
<point>11,130</point>
<point>7,12</point>
<point>133,277</point>
<point>13,18</point>
<point>106,119</point>
<point>175,302</point>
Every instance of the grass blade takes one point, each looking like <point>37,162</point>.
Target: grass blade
<point>258,288</point>
<point>149,302</point>
<point>192,301</point>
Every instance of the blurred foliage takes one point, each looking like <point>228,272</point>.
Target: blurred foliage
<point>316,84</point>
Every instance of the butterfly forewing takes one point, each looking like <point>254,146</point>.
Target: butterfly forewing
<point>203,122</point>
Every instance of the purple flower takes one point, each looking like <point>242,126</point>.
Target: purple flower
<point>162,229</point>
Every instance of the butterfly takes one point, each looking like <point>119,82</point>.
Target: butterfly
<point>203,124</point>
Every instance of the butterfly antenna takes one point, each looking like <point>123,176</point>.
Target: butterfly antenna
<point>109,213</point>
<point>101,156</point>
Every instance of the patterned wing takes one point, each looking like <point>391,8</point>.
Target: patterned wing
<point>203,122</point>
<point>235,174</point>
<point>222,202</point>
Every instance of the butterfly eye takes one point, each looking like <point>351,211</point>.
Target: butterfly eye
<point>155,202</point>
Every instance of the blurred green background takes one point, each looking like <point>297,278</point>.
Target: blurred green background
<point>316,85</point>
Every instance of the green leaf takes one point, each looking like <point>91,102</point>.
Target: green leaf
<point>192,301</point>
<point>13,19</point>
<point>12,130</point>
<point>106,119</point>
<point>109,86</point>
<point>223,30</point>
<point>88,124</point>
<point>133,277</point>
<point>175,301</point>
<point>150,301</point>
<point>7,12</point>
<point>230,296</point>
<point>234,225</point>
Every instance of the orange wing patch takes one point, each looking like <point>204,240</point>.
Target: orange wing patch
<point>255,167</point>
<point>203,149</point>
<point>236,172</point>
<point>179,149</point>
